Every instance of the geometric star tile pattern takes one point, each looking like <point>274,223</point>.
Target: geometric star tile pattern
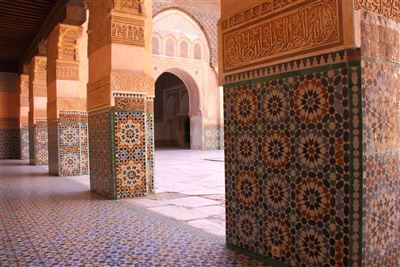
<point>10,144</point>
<point>122,148</point>
<point>38,143</point>
<point>289,172</point>
<point>69,151</point>
<point>381,137</point>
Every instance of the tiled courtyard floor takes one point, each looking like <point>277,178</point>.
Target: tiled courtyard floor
<point>189,188</point>
<point>56,221</point>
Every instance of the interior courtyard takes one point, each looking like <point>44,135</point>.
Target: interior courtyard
<point>200,133</point>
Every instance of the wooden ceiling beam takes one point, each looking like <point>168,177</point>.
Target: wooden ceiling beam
<point>57,14</point>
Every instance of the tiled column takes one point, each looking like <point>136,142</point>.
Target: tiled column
<point>67,117</point>
<point>120,98</point>
<point>380,65</point>
<point>38,139</point>
<point>312,137</point>
<point>23,87</point>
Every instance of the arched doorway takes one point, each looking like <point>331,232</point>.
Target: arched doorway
<point>171,112</point>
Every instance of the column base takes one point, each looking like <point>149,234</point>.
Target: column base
<point>68,145</point>
<point>121,147</point>
<point>38,144</point>
<point>9,144</point>
<point>24,142</point>
<point>213,137</point>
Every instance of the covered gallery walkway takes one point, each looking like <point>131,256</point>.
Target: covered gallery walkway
<point>49,221</point>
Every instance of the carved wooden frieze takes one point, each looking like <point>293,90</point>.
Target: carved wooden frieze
<point>386,8</point>
<point>305,27</point>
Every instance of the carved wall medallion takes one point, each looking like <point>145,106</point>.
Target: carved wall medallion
<point>301,29</point>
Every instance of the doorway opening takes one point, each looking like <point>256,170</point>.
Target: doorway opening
<point>171,113</point>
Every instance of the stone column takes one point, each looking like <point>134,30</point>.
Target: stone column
<point>23,87</point>
<point>38,138</point>
<point>120,98</point>
<point>66,113</point>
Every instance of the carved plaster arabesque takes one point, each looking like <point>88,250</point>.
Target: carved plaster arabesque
<point>112,22</point>
<point>269,7</point>
<point>132,82</point>
<point>68,37</point>
<point>24,85</point>
<point>99,27</point>
<point>38,76</point>
<point>388,8</point>
<point>303,29</point>
<point>67,70</point>
<point>127,31</point>
<point>129,6</point>
<point>99,95</point>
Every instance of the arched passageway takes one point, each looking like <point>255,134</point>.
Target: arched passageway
<point>171,112</point>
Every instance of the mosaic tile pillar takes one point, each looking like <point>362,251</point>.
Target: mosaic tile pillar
<point>24,141</point>
<point>38,136</point>
<point>120,99</point>
<point>68,140</point>
<point>9,139</point>
<point>312,144</point>
<point>122,148</point>
<point>213,137</point>
<point>68,144</point>
<point>38,143</point>
<point>23,88</point>
<point>380,37</point>
<point>290,162</point>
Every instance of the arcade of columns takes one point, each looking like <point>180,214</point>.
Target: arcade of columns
<point>311,101</point>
